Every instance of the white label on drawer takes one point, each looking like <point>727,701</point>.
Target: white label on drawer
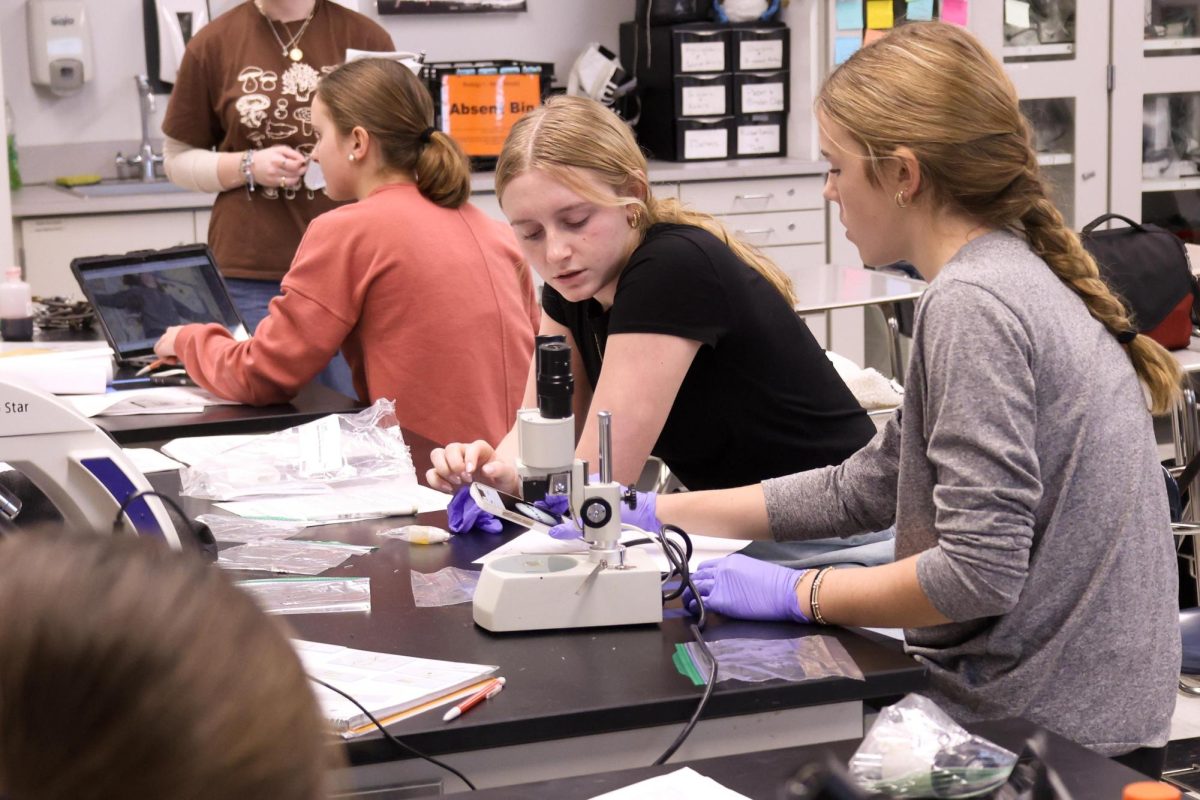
<point>706,144</point>
<point>701,56</point>
<point>757,139</point>
<point>759,97</point>
<point>703,101</point>
<point>758,54</point>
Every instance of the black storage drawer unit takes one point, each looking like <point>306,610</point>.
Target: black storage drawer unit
<point>760,92</point>
<point>760,135</point>
<point>760,47</point>
<point>704,95</point>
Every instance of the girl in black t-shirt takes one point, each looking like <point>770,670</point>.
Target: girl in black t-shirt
<point>685,334</point>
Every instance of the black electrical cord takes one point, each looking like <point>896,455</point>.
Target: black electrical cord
<point>405,747</point>
<point>679,562</point>
<point>201,533</point>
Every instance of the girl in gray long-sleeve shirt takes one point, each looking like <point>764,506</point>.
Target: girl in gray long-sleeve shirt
<point>1035,570</point>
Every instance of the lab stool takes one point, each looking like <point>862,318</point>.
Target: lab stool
<point>1189,629</point>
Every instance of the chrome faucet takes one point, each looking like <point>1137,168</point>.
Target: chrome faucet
<point>146,159</point>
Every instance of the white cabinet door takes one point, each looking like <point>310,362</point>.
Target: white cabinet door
<point>753,196</point>
<point>50,243</point>
<point>203,217</point>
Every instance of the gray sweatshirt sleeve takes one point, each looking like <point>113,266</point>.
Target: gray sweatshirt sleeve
<point>855,496</point>
<point>980,414</point>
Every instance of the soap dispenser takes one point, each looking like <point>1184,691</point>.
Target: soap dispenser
<point>60,45</point>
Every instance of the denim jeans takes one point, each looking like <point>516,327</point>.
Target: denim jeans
<point>864,549</point>
<point>251,298</point>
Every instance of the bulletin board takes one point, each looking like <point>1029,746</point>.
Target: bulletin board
<point>860,22</point>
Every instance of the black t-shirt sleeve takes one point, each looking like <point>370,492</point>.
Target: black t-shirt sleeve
<point>671,287</point>
<point>554,305</point>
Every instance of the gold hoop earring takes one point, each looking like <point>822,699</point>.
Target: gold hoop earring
<point>900,199</point>
<point>635,221</point>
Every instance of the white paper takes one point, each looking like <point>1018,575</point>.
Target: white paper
<point>194,449</point>
<point>369,501</point>
<point>755,55</point>
<point>760,97</point>
<point>684,782</point>
<point>891,633</point>
<point>757,139</point>
<point>159,400</point>
<point>382,682</point>
<point>704,101</point>
<point>704,548</point>
<point>702,57</point>
<point>149,460</point>
<point>1016,13</point>
<point>708,143</point>
<point>79,371</point>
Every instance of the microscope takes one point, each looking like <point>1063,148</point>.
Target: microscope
<point>609,585</point>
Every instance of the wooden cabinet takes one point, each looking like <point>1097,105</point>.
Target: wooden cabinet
<point>50,243</point>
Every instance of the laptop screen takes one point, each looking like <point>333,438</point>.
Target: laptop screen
<point>139,295</point>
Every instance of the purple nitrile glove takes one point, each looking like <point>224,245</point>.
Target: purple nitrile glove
<point>746,588</point>
<point>465,514</point>
<point>641,515</point>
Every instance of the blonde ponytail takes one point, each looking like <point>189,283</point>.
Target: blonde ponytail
<point>1062,251</point>
<point>949,101</point>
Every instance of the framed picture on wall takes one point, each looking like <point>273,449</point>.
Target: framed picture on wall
<point>447,6</point>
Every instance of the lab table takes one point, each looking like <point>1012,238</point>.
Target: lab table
<point>831,287</point>
<point>1084,773</point>
<point>576,701</point>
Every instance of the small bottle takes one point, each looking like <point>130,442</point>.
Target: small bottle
<point>16,307</point>
<point>1150,790</point>
<point>14,171</point>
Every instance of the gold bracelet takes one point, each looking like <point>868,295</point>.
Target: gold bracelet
<point>814,603</point>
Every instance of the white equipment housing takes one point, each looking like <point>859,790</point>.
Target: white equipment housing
<point>76,465</point>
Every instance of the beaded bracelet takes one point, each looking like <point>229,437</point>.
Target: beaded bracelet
<point>247,171</point>
<point>813,602</point>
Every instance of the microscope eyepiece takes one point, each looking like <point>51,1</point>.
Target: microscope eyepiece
<point>555,384</point>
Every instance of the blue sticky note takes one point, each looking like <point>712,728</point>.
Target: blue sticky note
<point>919,9</point>
<point>845,46</point>
<point>849,15</point>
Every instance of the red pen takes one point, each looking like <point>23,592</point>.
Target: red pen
<point>486,693</point>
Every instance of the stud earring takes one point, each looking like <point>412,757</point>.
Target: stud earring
<point>352,157</point>
<point>900,199</point>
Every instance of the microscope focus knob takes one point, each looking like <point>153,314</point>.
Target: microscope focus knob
<point>596,512</point>
<point>630,497</point>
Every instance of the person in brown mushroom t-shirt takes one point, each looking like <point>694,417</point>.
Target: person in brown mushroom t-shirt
<point>245,89</point>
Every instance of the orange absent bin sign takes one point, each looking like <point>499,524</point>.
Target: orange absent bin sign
<point>478,110</point>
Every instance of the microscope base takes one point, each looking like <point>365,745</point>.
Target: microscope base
<point>545,592</point>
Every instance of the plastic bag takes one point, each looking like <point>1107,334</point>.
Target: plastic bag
<point>230,528</point>
<point>754,660</point>
<point>915,749</point>
<point>446,587</point>
<point>291,556</point>
<point>307,459</point>
<point>310,595</point>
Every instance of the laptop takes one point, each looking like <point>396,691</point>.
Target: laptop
<point>138,295</point>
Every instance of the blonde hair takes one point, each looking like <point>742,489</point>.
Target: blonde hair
<point>568,134</point>
<point>385,99</point>
<point>132,671</point>
<point>933,88</point>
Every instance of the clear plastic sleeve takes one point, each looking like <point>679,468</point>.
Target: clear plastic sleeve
<point>230,528</point>
<point>915,749</point>
<point>446,587</point>
<point>754,660</point>
<point>290,557</point>
<point>307,459</point>
<point>310,595</point>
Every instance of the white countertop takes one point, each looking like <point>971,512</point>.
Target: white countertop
<point>47,200</point>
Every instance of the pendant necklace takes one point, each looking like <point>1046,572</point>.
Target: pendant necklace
<point>288,50</point>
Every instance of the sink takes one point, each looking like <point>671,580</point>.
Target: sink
<point>121,188</point>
